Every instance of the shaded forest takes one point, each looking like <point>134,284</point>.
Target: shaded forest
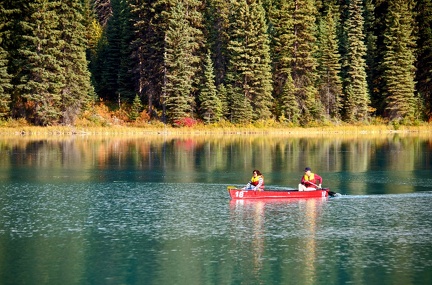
<point>240,61</point>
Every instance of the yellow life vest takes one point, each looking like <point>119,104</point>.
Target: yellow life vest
<point>309,178</point>
<point>255,180</point>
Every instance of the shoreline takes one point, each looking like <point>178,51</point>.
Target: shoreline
<point>31,131</point>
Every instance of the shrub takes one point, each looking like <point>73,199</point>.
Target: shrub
<point>185,122</point>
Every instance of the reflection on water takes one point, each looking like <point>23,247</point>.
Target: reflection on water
<point>351,165</point>
<point>156,211</point>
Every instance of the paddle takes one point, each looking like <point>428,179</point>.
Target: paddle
<point>317,186</point>
<point>331,193</point>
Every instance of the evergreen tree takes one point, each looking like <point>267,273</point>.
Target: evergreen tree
<point>41,80</point>
<point>182,43</point>
<point>126,86</point>
<point>108,62</point>
<point>356,91</point>
<point>375,68</point>
<point>399,61</point>
<point>330,86</point>
<point>282,27</point>
<point>5,85</point>
<point>5,77</point>
<point>103,10</point>
<point>289,105</point>
<point>372,56</point>
<point>211,105</point>
<point>77,91</point>
<point>136,108</point>
<point>236,77</point>
<point>148,51</point>
<point>261,79</point>
<point>249,73</point>
<point>217,27</point>
<point>223,96</point>
<point>303,63</point>
<point>424,57</point>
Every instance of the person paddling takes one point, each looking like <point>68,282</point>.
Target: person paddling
<point>256,182</point>
<point>310,181</point>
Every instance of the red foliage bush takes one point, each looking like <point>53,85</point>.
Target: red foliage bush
<point>185,122</point>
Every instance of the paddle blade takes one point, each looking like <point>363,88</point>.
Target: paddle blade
<point>231,187</point>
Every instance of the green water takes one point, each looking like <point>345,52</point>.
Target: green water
<point>156,211</point>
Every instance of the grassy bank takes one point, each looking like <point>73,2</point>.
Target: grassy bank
<point>220,130</point>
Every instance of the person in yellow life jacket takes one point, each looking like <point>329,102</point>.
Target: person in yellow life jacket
<point>256,182</point>
<point>310,181</point>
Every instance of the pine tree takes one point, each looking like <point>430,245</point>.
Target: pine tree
<point>182,44</point>
<point>282,24</point>
<point>211,105</point>
<point>223,96</point>
<point>304,64</point>
<point>372,56</point>
<point>249,65</point>
<point>5,77</point>
<point>236,77</point>
<point>262,99</point>
<point>375,68</point>
<point>289,105</point>
<point>217,26</point>
<point>330,87</point>
<point>356,91</point>
<point>126,86</point>
<point>399,70</point>
<point>148,51</point>
<point>77,92</point>
<point>109,56</point>
<point>136,108</point>
<point>424,57</point>
<point>103,10</point>
<point>41,80</point>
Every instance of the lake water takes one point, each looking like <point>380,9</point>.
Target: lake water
<point>155,210</point>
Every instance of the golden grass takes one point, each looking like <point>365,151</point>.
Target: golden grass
<point>203,130</point>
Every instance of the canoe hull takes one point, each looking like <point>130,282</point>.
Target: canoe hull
<point>276,194</point>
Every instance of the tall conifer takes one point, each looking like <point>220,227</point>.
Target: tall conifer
<point>183,40</point>
<point>126,81</point>
<point>41,79</point>
<point>109,55</point>
<point>356,91</point>
<point>304,63</point>
<point>77,91</point>
<point>249,72</point>
<point>424,55</point>
<point>261,79</point>
<point>148,51</point>
<point>210,103</point>
<point>372,55</point>
<point>399,70</point>
<point>281,20</point>
<point>236,77</point>
<point>330,85</point>
<point>217,27</point>
<point>5,77</point>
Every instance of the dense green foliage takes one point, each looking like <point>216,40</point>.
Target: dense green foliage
<point>295,61</point>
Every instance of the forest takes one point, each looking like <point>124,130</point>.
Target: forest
<point>296,62</point>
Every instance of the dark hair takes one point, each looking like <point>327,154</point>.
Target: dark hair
<point>257,171</point>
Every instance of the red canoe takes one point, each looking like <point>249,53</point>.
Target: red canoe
<point>236,193</point>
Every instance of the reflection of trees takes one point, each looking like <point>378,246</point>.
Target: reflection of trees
<point>180,157</point>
